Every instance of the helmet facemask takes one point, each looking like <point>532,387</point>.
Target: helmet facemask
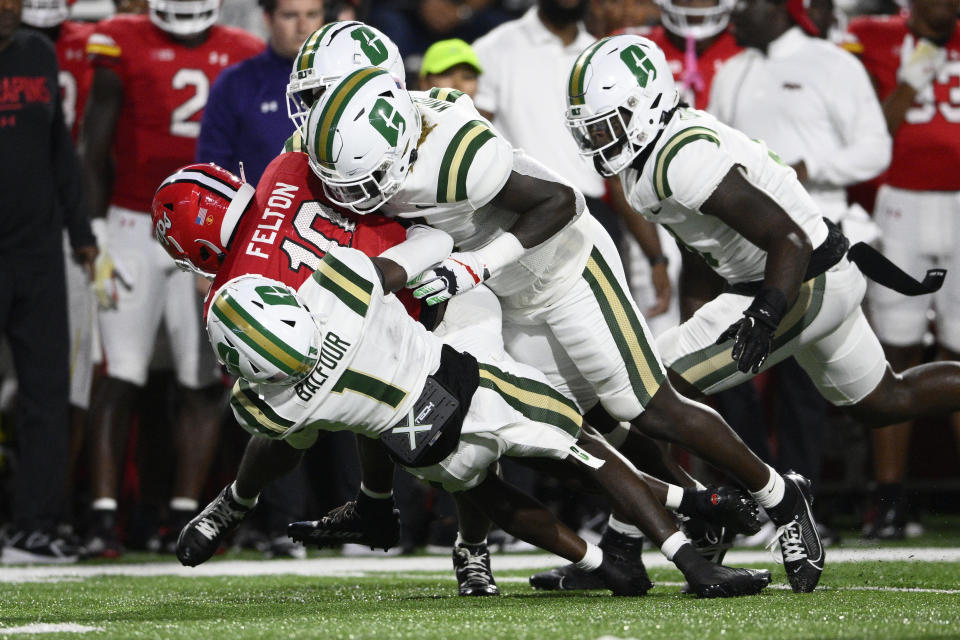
<point>184,18</point>
<point>43,14</point>
<point>697,22</point>
<point>620,93</point>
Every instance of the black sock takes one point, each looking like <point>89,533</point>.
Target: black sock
<point>688,503</point>
<point>687,559</point>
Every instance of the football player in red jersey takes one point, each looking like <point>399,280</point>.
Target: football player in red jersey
<point>914,62</point>
<point>281,231</point>
<point>151,78</point>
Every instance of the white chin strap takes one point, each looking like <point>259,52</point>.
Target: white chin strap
<point>237,206</point>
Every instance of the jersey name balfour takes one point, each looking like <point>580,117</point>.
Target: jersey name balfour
<point>688,161</point>
<point>372,366</point>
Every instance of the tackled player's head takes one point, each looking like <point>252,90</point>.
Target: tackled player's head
<point>195,212</point>
<point>330,53</point>
<point>619,95</point>
<point>361,138</point>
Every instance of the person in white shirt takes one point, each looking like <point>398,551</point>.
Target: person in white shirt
<point>809,100</point>
<point>812,103</point>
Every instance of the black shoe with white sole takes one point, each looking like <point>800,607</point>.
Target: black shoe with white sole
<point>619,549</point>
<point>203,535</point>
<point>709,580</point>
<point>472,566</point>
<point>797,534</point>
<point>37,547</point>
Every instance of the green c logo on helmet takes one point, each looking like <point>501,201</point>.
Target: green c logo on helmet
<point>370,45</point>
<point>387,121</point>
<point>639,64</point>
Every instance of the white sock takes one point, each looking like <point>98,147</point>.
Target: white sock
<point>772,493</point>
<point>674,496</point>
<point>591,559</point>
<point>462,542</point>
<point>247,502</point>
<point>624,528</point>
<point>184,504</point>
<point>104,504</point>
<point>672,544</point>
<point>374,494</point>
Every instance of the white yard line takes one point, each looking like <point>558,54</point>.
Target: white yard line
<point>43,627</point>
<point>360,565</point>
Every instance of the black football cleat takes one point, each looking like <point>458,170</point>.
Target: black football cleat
<point>201,537</point>
<point>709,580</point>
<point>364,521</point>
<point>618,549</point>
<point>726,507</point>
<point>798,537</point>
<point>471,563</point>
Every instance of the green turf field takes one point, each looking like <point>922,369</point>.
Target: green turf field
<point>857,599</point>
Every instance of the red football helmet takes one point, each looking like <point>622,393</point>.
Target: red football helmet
<point>195,212</point>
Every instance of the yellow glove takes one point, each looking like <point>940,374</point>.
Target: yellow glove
<point>107,272</point>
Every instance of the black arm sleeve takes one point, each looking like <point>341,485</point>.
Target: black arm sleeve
<point>69,181</point>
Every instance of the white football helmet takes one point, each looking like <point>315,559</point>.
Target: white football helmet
<point>697,22</point>
<point>44,14</point>
<point>331,52</point>
<point>184,17</point>
<point>262,331</point>
<point>619,91</point>
<point>361,137</point>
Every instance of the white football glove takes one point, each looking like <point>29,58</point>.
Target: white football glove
<point>458,273</point>
<point>107,271</point>
<point>919,62</point>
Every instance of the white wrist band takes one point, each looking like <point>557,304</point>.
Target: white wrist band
<point>503,250</point>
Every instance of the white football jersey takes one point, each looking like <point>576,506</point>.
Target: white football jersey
<point>692,155</point>
<point>374,359</point>
<point>462,164</point>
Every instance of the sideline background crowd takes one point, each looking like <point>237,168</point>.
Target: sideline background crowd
<point>135,461</point>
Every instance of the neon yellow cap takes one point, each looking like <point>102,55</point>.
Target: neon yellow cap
<point>448,53</point>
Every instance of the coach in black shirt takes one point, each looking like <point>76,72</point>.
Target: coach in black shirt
<point>40,193</point>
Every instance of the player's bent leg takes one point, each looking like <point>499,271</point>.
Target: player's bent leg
<point>371,519</point>
<point>629,495</point>
<point>263,460</point>
<point>924,390</point>
<point>523,517</point>
<point>695,426</point>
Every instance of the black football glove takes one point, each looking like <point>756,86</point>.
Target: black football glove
<point>752,334</point>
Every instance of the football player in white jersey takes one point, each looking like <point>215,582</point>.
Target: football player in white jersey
<point>792,289</point>
<point>520,229</point>
<point>343,354</point>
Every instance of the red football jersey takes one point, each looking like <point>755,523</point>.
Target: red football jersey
<point>75,71</point>
<point>291,225</point>
<point>721,50</point>
<point>926,147</point>
<point>165,88</point>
